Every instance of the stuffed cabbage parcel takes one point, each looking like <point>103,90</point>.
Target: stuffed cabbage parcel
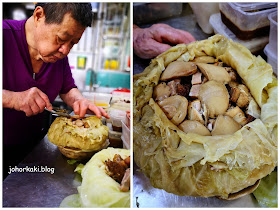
<point>98,189</point>
<point>219,139</point>
<point>78,138</point>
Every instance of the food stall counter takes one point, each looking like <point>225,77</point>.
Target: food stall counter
<point>25,188</point>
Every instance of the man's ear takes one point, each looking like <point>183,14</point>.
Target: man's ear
<point>39,16</point>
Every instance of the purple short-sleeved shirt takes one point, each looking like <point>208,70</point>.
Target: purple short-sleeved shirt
<point>52,79</point>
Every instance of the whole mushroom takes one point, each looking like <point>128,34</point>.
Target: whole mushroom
<point>161,91</point>
<point>194,109</point>
<point>212,72</point>
<point>189,126</point>
<point>178,69</point>
<point>204,59</point>
<point>225,125</point>
<point>215,96</point>
<point>175,108</point>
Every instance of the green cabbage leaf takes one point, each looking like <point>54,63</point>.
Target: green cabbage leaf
<point>266,193</point>
<point>97,188</point>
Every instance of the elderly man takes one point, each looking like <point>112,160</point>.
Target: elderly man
<point>36,70</point>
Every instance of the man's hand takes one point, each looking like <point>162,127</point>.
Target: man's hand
<point>82,106</point>
<point>31,101</point>
<point>150,42</point>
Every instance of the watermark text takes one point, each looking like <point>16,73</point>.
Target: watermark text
<point>33,169</point>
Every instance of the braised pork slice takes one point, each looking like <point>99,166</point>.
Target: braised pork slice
<point>116,168</point>
<point>125,184</point>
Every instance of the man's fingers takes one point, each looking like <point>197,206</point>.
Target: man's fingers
<point>28,111</point>
<point>150,42</point>
<point>151,48</point>
<point>103,112</point>
<point>176,36</point>
<point>83,109</point>
<point>46,100</point>
<point>76,108</point>
<point>168,34</point>
<point>95,109</point>
<point>160,47</point>
<point>186,36</point>
<point>40,103</point>
<point>35,108</point>
<point>145,46</point>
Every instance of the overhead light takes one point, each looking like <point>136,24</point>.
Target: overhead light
<point>18,14</point>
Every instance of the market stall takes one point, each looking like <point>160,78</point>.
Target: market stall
<point>83,66</point>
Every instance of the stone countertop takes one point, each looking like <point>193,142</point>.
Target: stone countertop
<point>51,181</point>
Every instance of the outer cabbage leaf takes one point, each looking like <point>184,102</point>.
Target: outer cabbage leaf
<point>97,188</point>
<point>79,168</point>
<point>182,163</point>
<point>71,201</point>
<point>63,133</point>
<point>266,193</point>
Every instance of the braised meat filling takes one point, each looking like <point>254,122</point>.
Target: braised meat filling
<point>119,170</point>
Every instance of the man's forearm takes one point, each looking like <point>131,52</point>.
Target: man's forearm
<point>8,99</point>
<point>73,95</point>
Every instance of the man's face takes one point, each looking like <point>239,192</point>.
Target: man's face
<point>54,41</point>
